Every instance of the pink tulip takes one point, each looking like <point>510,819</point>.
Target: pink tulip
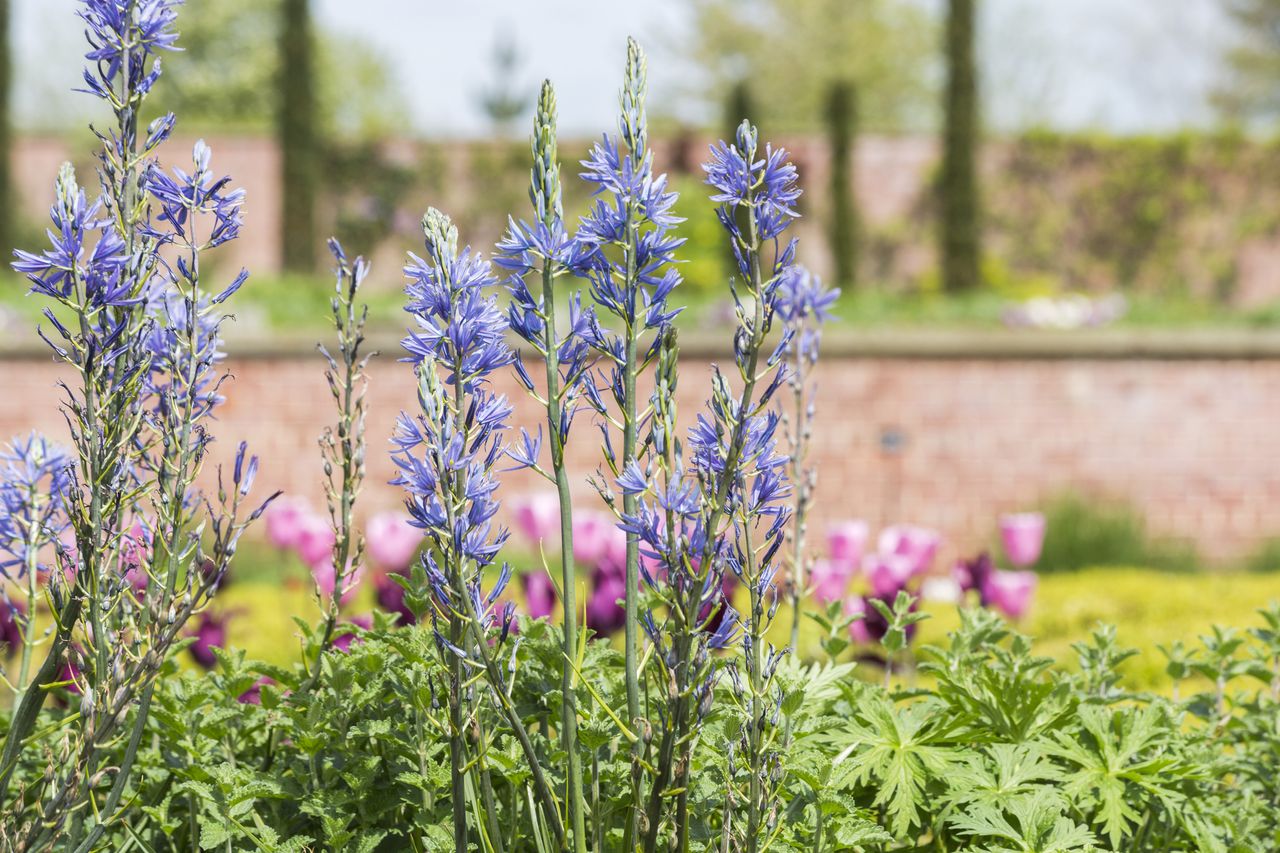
<point>392,540</point>
<point>847,540</point>
<point>539,594</point>
<point>1023,537</point>
<point>323,574</point>
<point>918,544</point>
<point>888,574</point>
<point>390,596</point>
<point>856,605</point>
<point>604,614</point>
<point>1010,592</point>
<point>830,578</point>
<point>284,521</point>
<point>592,532</point>
<point>315,539</point>
<point>537,516</point>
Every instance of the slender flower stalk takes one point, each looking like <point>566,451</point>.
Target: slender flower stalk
<point>544,251</point>
<point>145,343</point>
<point>343,448</point>
<point>446,455</point>
<point>803,305</point>
<point>628,248</point>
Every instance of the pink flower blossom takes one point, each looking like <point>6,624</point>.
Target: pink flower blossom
<point>1023,537</point>
<point>284,521</point>
<point>253,696</point>
<point>539,594</point>
<point>537,516</point>
<point>830,578</point>
<point>888,574</point>
<point>918,544</point>
<point>390,596</point>
<point>392,540</point>
<point>604,614</point>
<point>847,540</point>
<point>315,539</point>
<point>856,605</point>
<point>323,574</point>
<point>1010,592</point>
<point>592,532</point>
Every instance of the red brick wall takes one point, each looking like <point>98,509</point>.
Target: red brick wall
<point>1193,442</point>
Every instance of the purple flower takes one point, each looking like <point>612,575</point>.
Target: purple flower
<point>253,696</point>
<point>390,596</point>
<point>972,574</point>
<point>346,633</point>
<point>185,198</point>
<point>12,615</point>
<point>768,184</point>
<point>1009,592</point>
<point>1023,537</point>
<point>539,594</point>
<point>604,614</point>
<point>210,632</point>
<point>34,483</point>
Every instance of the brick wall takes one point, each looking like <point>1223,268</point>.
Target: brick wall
<point>1191,440</point>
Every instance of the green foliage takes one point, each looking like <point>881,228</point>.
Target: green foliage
<point>791,49</point>
<point>1084,532</point>
<point>1249,91</point>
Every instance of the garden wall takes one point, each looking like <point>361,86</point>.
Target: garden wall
<point>946,431</point>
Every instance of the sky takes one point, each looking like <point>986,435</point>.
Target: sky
<point>1121,65</point>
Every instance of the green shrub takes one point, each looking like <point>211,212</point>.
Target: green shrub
<point>1084,532</point>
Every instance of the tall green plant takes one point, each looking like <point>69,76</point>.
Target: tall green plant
<point>960,223</point>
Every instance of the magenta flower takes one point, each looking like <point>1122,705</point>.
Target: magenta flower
<point>604,614</point>
<point>918,544</point>
<point>135,552</point>
<point>856,605</point>
<point>390,596</point>
<point>972,574</point>
<point>847,540</point>
<point>888,574</point>
<point>11,614</point>
<point>537,516</point>
<point>830,578</point>
<point>315,539</point>
<point>1010,592</point>
<point>345,633</point>
<point>323,574</point>
<point>591,534</point>
<point>1023,537</point>
<point>539,594</point>
<point>392,540</point>
<point>284,521</point>
<point>253,696</point>
<point>210,632</point>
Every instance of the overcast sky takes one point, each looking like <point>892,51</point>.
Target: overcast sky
<point>1123,65</point>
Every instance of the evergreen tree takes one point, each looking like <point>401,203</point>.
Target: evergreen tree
<point>960,228</point>
<point>298,137</point>
<point>842,128</point>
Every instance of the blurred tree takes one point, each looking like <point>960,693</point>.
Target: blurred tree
<point>842,128</point>
<point>1252,90</point>
<point>225,76</point>
<point>960,227</point>
<point>739,105</point>
<point>298,136</point>
<point>7,212</point>
<point>791,49</point>
<point>504,100</point>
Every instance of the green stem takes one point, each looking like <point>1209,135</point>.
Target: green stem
<point>568,573</point>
